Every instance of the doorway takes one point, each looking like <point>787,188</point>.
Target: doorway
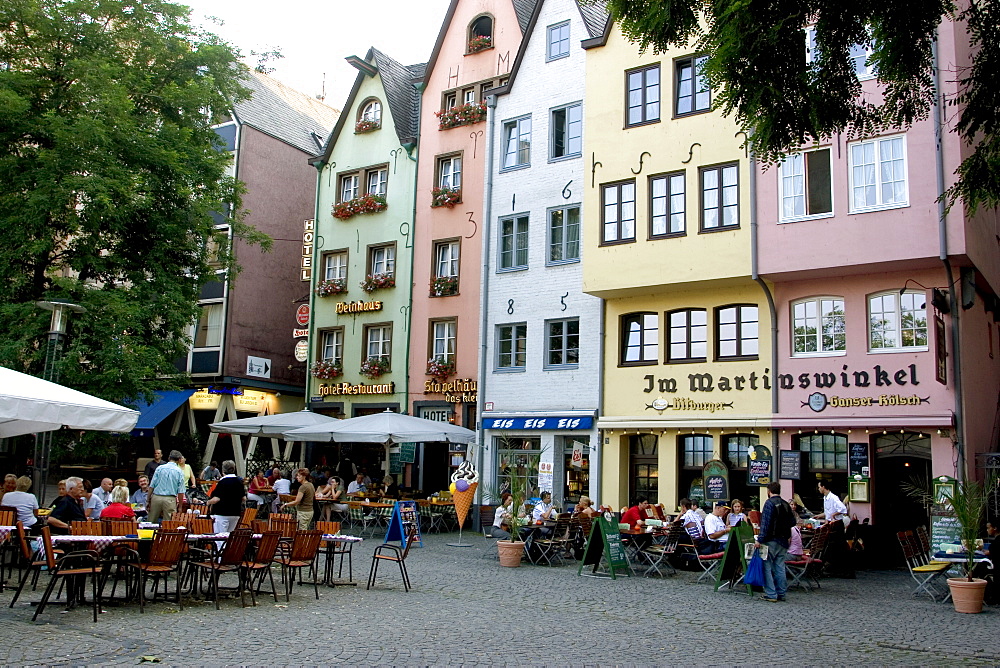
<point>902,462</point>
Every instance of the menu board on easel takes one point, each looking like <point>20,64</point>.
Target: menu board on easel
<point>857,459</point>
<point>405,521</point>
<point>604,545</point>
<point>734,559</point>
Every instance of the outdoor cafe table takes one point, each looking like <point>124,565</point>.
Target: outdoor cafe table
<point>5,532</point>
<point>960,558</point>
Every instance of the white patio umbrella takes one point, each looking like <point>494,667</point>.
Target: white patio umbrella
<point>272,426</point>
<point>386,428</point>
<point>29,404</point>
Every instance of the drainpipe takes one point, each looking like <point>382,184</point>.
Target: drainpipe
<point>956,342</point>
<point>491,104</point>
<point>409,147</point>
<point>595,471</point>
<point>319,164</point>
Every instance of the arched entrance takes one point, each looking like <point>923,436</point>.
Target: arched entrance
<point>902,461</point>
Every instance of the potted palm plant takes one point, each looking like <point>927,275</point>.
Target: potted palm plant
<point>520,489</point>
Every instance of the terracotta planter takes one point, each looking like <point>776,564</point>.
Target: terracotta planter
<point>967,596</point>
<point>510,553</point>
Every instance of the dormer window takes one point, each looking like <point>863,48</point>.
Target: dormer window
<point>480,34</point>
<point>370,117</point>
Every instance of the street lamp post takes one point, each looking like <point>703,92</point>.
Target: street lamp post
<point>53,353</point>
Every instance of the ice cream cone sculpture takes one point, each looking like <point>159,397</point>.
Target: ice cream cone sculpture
<point>463,486</point>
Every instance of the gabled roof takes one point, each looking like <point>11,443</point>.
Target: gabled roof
<point>595,18</point>
<point>284,113</point>
<point>523,9</point>
<point>401,96</point>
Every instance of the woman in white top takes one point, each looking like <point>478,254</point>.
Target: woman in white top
<point>25,502</point>
<point>501,520</point>
<point>736,515</point>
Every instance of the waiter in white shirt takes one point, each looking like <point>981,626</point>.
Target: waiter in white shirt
<point>833,508</point>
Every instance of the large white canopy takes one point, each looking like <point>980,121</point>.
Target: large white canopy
<point>386,428</point>
<point>272,426</point>
<point>29,404</point>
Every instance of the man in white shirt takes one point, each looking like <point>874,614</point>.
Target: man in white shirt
<point>716,530</point>
<point>690,519</point>
<point>833,508</point>
<point>104,491</point>
<point>357,485</point>
<point>544,510</point>
<point>281,486</point>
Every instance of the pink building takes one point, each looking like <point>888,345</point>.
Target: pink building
<point>885,308</point>
<point>473,53</point>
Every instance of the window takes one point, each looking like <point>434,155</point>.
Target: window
<point>806,187</point>
<point>443,340</point>
<point>450,172</point>
<point>335,265</point>
<point>618,212</point>
<point>736,448</point>
<point>736,331</point>
<point>377,179</point>
<point>687,335</point>
<point>567,132</point>
<point>519,458</point>
<point>564,235</point>
<point>558,41</point>
<point>382,259</point>
<point>378,342</point>
<point>639,339</point>
<point>468,96</point>
<point>208,329</point>
<point>693,93</point>
<point>720,200</point>
<point>644,465</point>
<point>878,174</point>
<point>512,341</point>
<point>331,348</point>
<point>897,322</point>
<point>450,101</point>
<point>819,326</point>
<point>563,345</point>
<point>859,54</point>
<point>372,111</point>
<point>666,205</point>
<point>348,187</point>
<point>516,143</point>
<point>696,449</point>
<point>514,242</point>
<point>826,451</point>
<point>482,26</point>
<point>446,258</point>
<point>643,101</point>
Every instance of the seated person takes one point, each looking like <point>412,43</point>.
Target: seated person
<point>140,497</point>
<point>68,508</point>
<point>585,507</point>
<point>357,486</point>
<point>696,507</point>
<point>211,472</point>
<point>257,483</point>
<point>544,510</point>
<point>92,504</point>
<point>61,494</point>
<point>501,518</point>
<point>690,520</point>
<point>281,485</point>
<point>716,530</point>
<point>390,489</point>
<point>636,517</point>
<point>26,504</point>
<point>118,509</point>
<point>737,515</point>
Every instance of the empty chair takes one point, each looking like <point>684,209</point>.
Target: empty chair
<point>387,552</point>
<point>76,565</point>
<point>214,561</point>
<point>164,559</point>
<point>303,553</point>
<point>254,570</point>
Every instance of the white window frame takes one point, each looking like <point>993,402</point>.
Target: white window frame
<point>792,168</point>
<point>509,257</point>
<point>382,260</point>
<point>331,347</point>
<point>646,342</point>
<point>446,259</point>
<point>214,325</point>
<point>563,243</point>
<point>565,339</point>
<point>443,339</point>
<point>561,41</point>
<point>450,172</point>
<point>647,97</point>
<point>719,200</point>
<point>687,327</point>
<point>624,211</point>
<point>819,321</point>
<point>349,186</point>
<point>376,181</point>
<point>869,72</point>
<point>372,111</point>
<point>895,320</point>
<point>741,328</point>
<point>566,127</point>
<point>378,342</point>
<point>517,334</point>
<point>880,203</point>
<point>516,149</point>
<point>335,265</point>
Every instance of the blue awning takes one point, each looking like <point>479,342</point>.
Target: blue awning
<point>150,415</point>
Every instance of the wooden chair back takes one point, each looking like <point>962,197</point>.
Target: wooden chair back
<point>121,528</point>
<point>249,515</point>
<point>267,547</point>
<point>168,545</point>
<point>306,545</point>
<point>754,517</point>
<point>286,498</point>
<point>202,525</point>
<point>174,525</point>
<point>328,527</point>
<point>86,528</point>
<point>22,537</point>
<point>234,550</point>
<point>259,526</point>
<point>8,515</point>
<point>923,540</point>
<point>50,555</point>
<point>180,516</point>
<point>282,516</point>
<point>285,524</point>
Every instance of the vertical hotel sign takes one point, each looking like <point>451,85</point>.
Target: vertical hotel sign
<point>308,236</point>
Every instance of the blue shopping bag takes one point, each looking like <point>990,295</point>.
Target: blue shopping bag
<point>755,571</point>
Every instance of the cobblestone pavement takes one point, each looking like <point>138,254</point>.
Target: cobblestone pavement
<point>466,610</point>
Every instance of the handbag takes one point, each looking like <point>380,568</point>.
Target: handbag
<point>755,571</point>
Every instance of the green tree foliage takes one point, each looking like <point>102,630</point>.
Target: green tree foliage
<point>109,174</point>
<point>757,63</point>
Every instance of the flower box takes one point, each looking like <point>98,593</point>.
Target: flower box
<point>373,367</point>
<point>448,197</point>
<point>366,203</point>
<point>375,282</point>
<point>480,43</point>
<point>466,114</point>
<point>327,369</point>
<point>444,286</point>
<point>365,125</point>
<point>333,286</point>
<point>440,367</point>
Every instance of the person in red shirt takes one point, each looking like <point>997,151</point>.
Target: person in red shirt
<point>118,509</point>
<point>636,517</point>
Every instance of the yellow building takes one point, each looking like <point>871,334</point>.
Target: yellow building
<point>667,230</point>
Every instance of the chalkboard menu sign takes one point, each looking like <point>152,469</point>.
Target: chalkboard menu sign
<point>857,459</point>
<point>759,467</point>
<point>789,464</point>
<point>945,529</point>
<point>716,475</point>
<point>605,544</point>
<point>407,452</point>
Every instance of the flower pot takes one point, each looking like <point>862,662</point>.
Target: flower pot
<point>511,551</point>
<point>967,596</point>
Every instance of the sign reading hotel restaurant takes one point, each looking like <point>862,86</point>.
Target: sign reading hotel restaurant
<point>327,389</point>
<point>458,391</point>
<point>547,422</point>
<point>308,237</point>
<point>358,307</point>
<point>877,376</point>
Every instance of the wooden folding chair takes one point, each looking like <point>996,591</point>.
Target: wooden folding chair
<point>260,565</point>
<point>554,544</point>
<point>387,552</point>
<point>164,559</point>
<point>801,571</point>
<point>174,525</point>
<point>30,565</point>
<point>86,528</point>
<point>120,527</point>
<point>305,549</point>
<point>201,525</point>
<point>924,572</point>
<point>78,564</point>
<point>249,515</point>
<point>213,562</point>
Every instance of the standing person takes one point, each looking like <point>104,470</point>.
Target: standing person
<point>152,465</point>
<point>189,479</point>
<point>227,499</point>
<point>118,509</point>
<point>304,498</point>
<point>167,485</point>
<point>776,522</point>
<point>69,508</point>
<point>833,508</point>
<point>25,502</point>
<point>104,491</point>
<point>92,504</point>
